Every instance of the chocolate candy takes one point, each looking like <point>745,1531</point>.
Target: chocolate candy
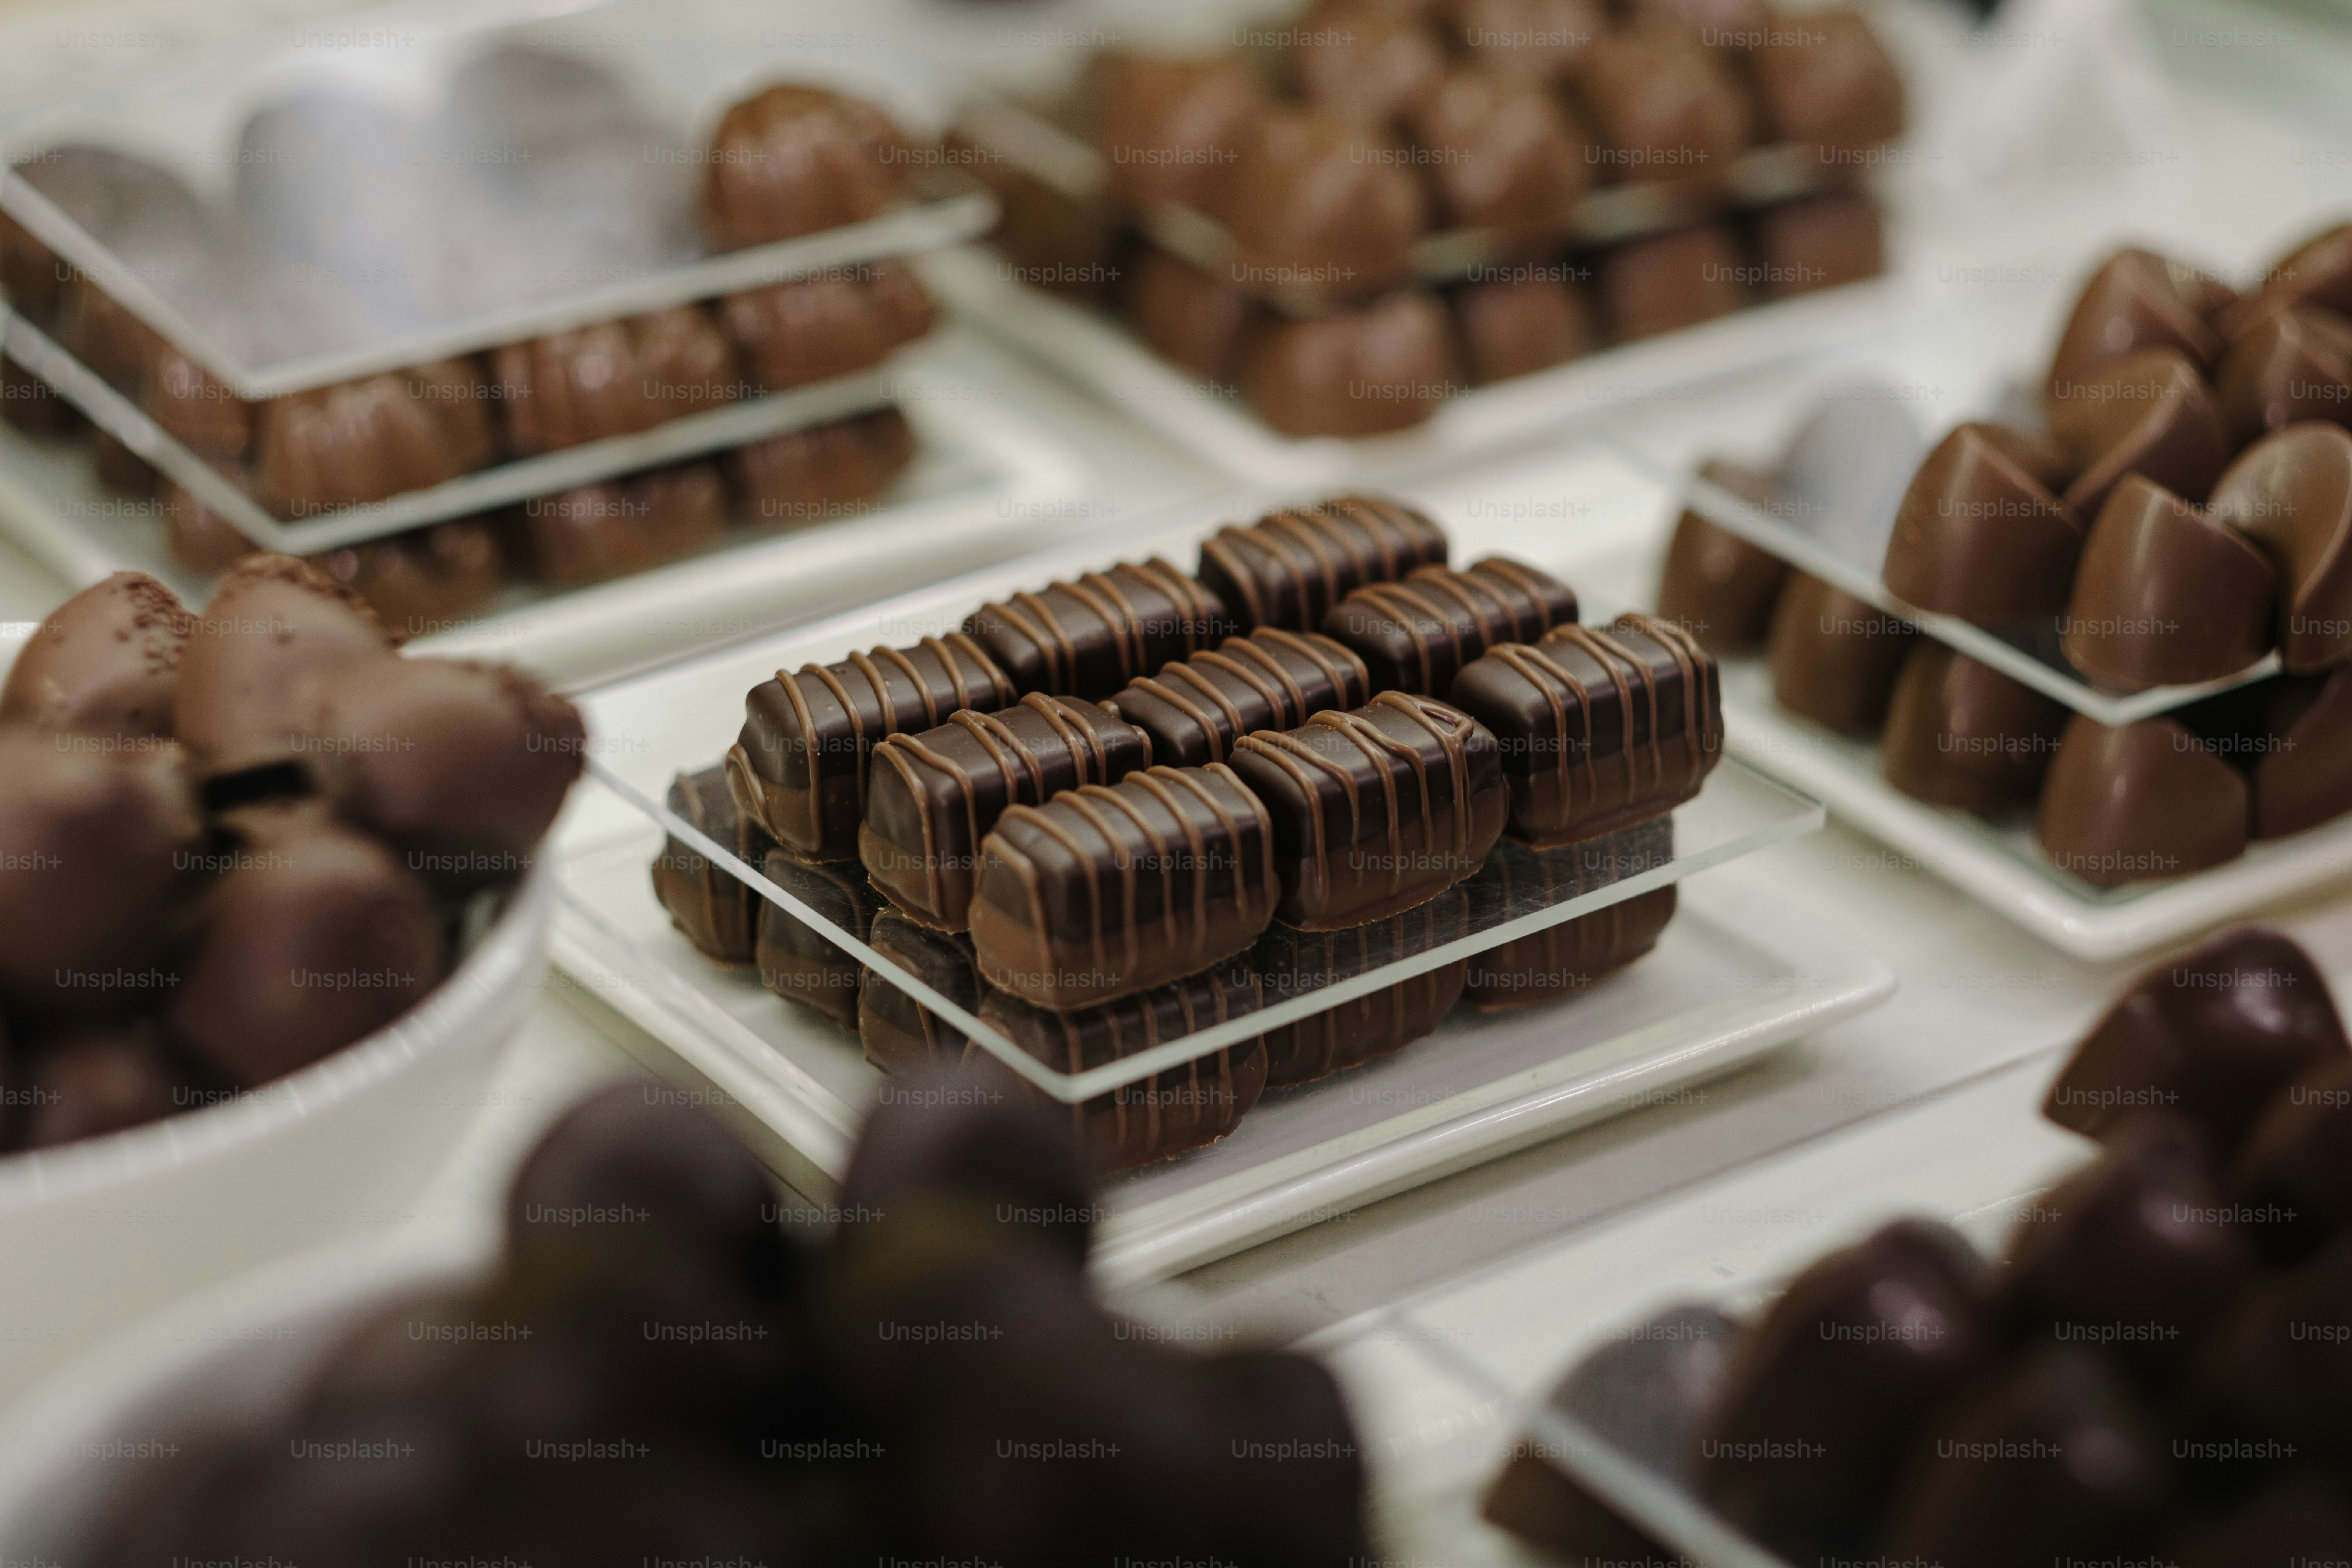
<point>799,767</point>
<point>1194,711</point>
<point>717,911</point>
<point>845,320</point>
<point>620,526</point>
<point>1503,152</point>
<point>612,378</point>
<point>1416,636</point>
<point>1085,639</point>
<point>1365,371</point>
<point>1670,281</point>
<point>823,472</point>
<point>1520,325</point>
<point>2213,1035</point>
<point>1717,587</point>
<point>1823,78</point>
<point>2318,272</point>
<point>799,962</point>
<point>1375,810</point>
<point>933,796</point>
<point>2136,299</point>
<point>196,410</point>
<point>1321,198</point>
<point>2293,492</point>
<point>103,663</point>
<point>97,330</point>
<point>1961,733</point>
<point>421,582</point>
<point>1981,536</point>
<point>1834,657</point>
<point>1291,964</point>
<point>2292,738</point>
<point>1823,1395</point>
<point>97,1079</point>
<point>1600,728</point>
<point>2294,363</point>
<point>2292,1171</point>
<point>792,160</point>
<point>1101,893</point>
<point>1376,65</point>
<point>31,403</point>
<point>1819,242</point>
<point>1664,105</point>
<point>1563,960</point>
<point>2166,595</point>
<point>1548,39</point>
<point>2144,802</point>
<point>1168,127</point>
<point>369,440</point>
<point>28,273</point>
<point>900,1035</point>
<point>199,540</point>
<point>1289,567</point>
<point>2150,414</point>
<point>1187,317</point>
<point>2278,1370</point>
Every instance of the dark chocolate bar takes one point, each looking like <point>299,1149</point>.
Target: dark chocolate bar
<point>1085,639</point>
<point>1101,893</point>
<point>799,962</point>
<point>1416,636</point>
<point>1375,810</point>
<point>800,765</point>
<point>1271,680</point>
<point>1599,727</point>
<point>1289,567</point>
<point>934,796</point>
<point>1292,964</point>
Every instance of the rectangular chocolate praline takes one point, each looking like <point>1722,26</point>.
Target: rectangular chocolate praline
<point>1292,964</point>
<point>1086,639</point>
<point>1101,893</point>
<point>1599,727</point>
<point>1288,568</point>
<point>1375,810</point>
<point>715,910</point>
<point>932,797</point>
<point>800,765</point>
<point>1271,680</point>
<point>799,962</point>
<point>1417,634</point>
<point>901,1036</point>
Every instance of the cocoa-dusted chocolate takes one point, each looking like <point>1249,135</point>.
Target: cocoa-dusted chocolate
<point>1320,198</point>
<point>823,472</point>
<point>2136,299</point>
<point>2292,491</point>
<point>1292,964</point>
<point>104,662</point>
<point>1186,316</point>
<point>1503,152</point>
<point>616,527</point>
<point>418,583</point>
<point>799,766</point>
<point>2212,1034</point>
<point>612,378</point>
<point>931,797</point>
<point>1599,727</point>
<point>1834,657</point>
<point>1981,533</point>
<point>1194,710</point>
<point>1664,105</point>
<point>1818,242</point>
<point>1366,371</point>
<point>839,321</point>
<point>1562,959</point>
<point>1289,567</point>
<point>2292,1170</point>
<point>2293,363</point>
<point>716,910</point>
<point>1823,78</point>
<point>1669,281</point>
<point>370,440</point>
<point>1716,585</point>
<point>2166,596</point>
<point>1103,892</point>
<point>1516,326</point>
<point>791,160</point>
<point>1550,39</point>
<point>1374,63</point>
<point>1961,733</point>
<point>2138,804</point>
<point>1375,810</point>
<point>2150,414</point>
<point>1086,639</point>
<point>798,961</point>
<point>2291,737</point>
<point>1168,128</point>
<point>1417,634</point>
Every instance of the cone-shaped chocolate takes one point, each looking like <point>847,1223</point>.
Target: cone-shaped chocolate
<point>2292,738</point>
<point>2166,595</point>
<point>1834,658</point>
<point>2293,363</point>
<point>2319,270</point>
<point>2139,804</point>
<point>2293,492</point>
<point>104,662</point>
<point>1717,586</point>
<point>2151,415</point>
<point>2296,1171</point>
<point>1961,733</point>
<point>2135,299</point>
<point>2278,1372</point>
<point>1981,536</point>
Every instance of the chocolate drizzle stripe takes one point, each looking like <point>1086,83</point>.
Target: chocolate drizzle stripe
<point>1399,603</point>
<point>807,716</point>
<point>1533,666</point>
<point>1047,633</point>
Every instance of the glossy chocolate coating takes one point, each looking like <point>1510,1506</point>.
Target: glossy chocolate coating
<point>1194,710</point>
<point>2292,365</point>
<point>1375,810</point>
<point>2293,1170</point>
<point>1169,128</point>
<point>1961,733</point>
<point>2318,271</point>
<point>1670,281</point>
<point>1382,367</point>
<point>1289,567</point>
<point>194,408</point>
<point>932,797</point>
<point>1085,639</point>
<point>1665,106</point>
<point>369,440</point>
<point>823,472</point>
<point>1376,65</point>
<point>1418,634</point>
<point>104,662</point>
<point>2136,299</point>
<point>418,583</point>
<point>1550,39</point>
<point>614,378</point>
<point>2150,414</point>
<point>1599,727</point>
<point>1318,196</point>
<point>847,318</point>
<point>1824,1396</point>
<point>1819,242</point>
<point>1518,326</point>
<point>1291,964</point>
<point>795,960</point>
<point>2293,492</point>
<point>2166,596</point>
<point>1101,893</point>
<point>95,1080</point>
<point>901,1036</point>
<point>2279,1368</point>
<point>1503,151</point>
<point>714,909</point>
<point>799,766</point>
<point>2291,737</point>
<point>1185,316</point>
<point>792,160</point>
<point>1980,535</point>
<point>619,526</point>
<point>1562,960</point>
<point>1822,77</point>
<point>2144,802</point>
<point>1716,585</point>
<point>1835,660</point>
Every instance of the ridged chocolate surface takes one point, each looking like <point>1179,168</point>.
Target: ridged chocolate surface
<point>1196,710</point>
<point>368,440</point>
<point>1293,964</point>
<point>1980,535</point>
<point>797,962</point>
<point>1835,658</point>
<point>844,320</point>
<point>1086,639</point>
<point>614,378</point>
<point>791,160</point>
<point>1288,568</point>
<point>2166,595</point>
<point>1416,636</point>
<point>2139,804</point>
<point>1563,960</point>
<point>1375,810</point>
<point>718,912</point>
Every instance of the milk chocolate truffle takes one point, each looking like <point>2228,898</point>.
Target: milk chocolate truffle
<point>1318,197</point>
<point>1367,372</point>
<point>1170,128</point>
<point>844,320</point>
<point>798,961</point>
<point>2136,299</point>
<point>1193,712</point>
<point>1087,638</point>
<point>1961,733</point>
<point>1187,317</point>
<point>103,663</point>
<point>2292,738</point>
<point>101,1078</point>
<point>2318,272</point>
<point>94,847</point>
<point>1664,105</point>
<point>316,937</point>
<point>423,582</point>
<point>1547,39</point>
<point>369,440</point>
<point>1562,959</point>
<point>2147,801</point>
<point>2151,415</point>
<point>2293,492</point>
<point>194,409</point>
<point>1416,636</point>
<point>1289,567</point>
<point>1821,79</point>
<point>1670,281</point>
<point>1376,65</point>
<point>791,160</point>
<point>199,540</point>
<point>1981,536</point>
<point>1824,1396</point>
<point>2213,1035</point>
<point>619,526</point>
<point>1101,893</point>
<point>2166,595</point>
<point>1375,810</point>
<point>1292,964</point>
<point>1717,586</point>
<point>1835,658</point>
<point>823,472</point>
<point>256,659</point>
<point>716,910</point>
<point>612,378</point>
<point>1503,152</point>
<point>2292,1172</point>
<point>1819,242</point>
<point>1521,325</point>
<point>2293,364</point>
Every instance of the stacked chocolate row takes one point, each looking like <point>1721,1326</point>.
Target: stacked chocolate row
<point>2155,1372</point>
<point>231,843</point>
<point>1128,808</point>
<point>1379,125</point>
<point>2182,516</point>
